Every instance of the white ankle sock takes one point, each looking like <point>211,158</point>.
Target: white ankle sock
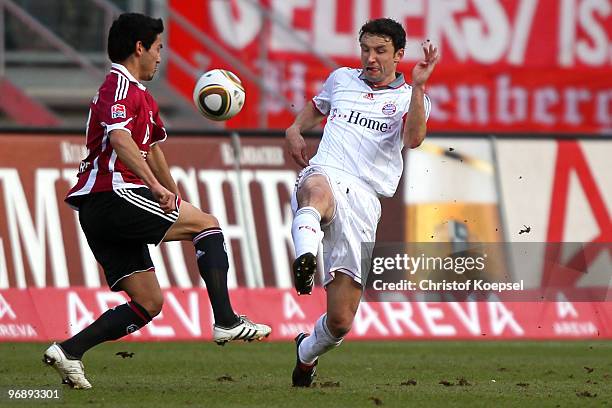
<point>306,231</point>
<point>319,342</point>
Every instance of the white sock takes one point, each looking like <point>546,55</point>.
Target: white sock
<point>306,231</point>
<point>318,343</point>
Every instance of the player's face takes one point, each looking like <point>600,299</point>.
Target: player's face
<point>151,59</point>
<point>378,58</point>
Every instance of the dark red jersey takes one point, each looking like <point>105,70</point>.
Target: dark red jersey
<point>121,103</point>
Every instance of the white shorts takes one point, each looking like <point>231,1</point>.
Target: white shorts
<point>354,222</point>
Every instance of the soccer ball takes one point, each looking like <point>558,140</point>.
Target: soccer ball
<point>219,94</point>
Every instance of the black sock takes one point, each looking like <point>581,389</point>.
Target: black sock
<point>213,265</point>
<point>111,325</point>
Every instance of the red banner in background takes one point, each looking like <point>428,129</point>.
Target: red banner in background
<point>51,286</point>
<point>559,189</point>
<point>54,314</point>
<point>507,65</point>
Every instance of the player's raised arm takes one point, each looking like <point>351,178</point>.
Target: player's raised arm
<point>416,126</point>
<point>307,119</point>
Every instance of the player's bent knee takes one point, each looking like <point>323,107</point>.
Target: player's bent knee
<point>314,195</point>
<point>213,221</point>
<point>206,221</point>
<point>321,198</point>
<point>199,223</point>
<point>318,197</point>
<point>152,304</point>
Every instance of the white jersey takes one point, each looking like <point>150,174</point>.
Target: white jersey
<point>363,134</point>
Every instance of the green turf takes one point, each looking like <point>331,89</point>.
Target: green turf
<point>359,374</point>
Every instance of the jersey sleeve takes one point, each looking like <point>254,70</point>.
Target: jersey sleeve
<point>322,101</point>
<point>426,105</point>
<point>115,112</point>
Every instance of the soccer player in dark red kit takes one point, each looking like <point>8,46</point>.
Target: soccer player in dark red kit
<point>127,198</point>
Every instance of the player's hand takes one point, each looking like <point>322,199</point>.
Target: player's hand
<point>296,146</point>
<point>165,198</point>
<point>423,69</point>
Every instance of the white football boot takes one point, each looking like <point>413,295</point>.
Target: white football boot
<point>244,330</point>
<point>71,371</point>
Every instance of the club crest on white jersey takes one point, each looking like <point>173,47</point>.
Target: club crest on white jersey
<point>363,133</point>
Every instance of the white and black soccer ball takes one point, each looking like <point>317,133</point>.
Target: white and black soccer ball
<point>219,94</point>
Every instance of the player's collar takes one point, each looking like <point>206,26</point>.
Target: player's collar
<point>396,83</point>
<point>123,70</point>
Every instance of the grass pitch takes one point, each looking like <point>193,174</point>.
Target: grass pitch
<point>358,374</point>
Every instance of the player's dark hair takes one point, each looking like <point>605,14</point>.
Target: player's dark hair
<point>127,30</point>
<point>388,28</point>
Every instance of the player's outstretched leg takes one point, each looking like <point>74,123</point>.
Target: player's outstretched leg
<point>315,206</point>
<point>213,265</point>
<point>207,237</point>
<point>307,234</point>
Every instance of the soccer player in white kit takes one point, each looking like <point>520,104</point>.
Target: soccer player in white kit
<point>371,114</point>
